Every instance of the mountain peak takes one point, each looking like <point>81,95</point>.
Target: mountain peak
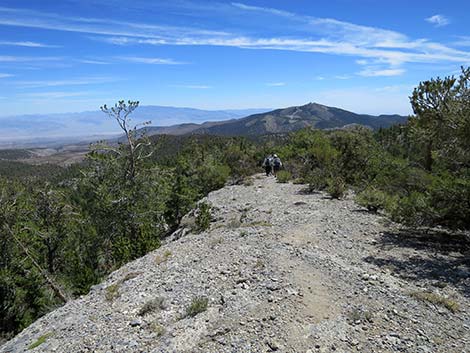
<point>294,118</point>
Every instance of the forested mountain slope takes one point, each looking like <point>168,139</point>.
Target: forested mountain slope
<point>298,117</point>
<point>283,120</point>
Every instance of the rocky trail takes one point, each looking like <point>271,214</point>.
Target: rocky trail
<point>278,270</point>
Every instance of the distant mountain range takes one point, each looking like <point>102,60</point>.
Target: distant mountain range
<point>62,129</point>
<point>85,124</point>
<point>282,121</point>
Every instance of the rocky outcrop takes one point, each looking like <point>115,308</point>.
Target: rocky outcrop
<point>278,270</point>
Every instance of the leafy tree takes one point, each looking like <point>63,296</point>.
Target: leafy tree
<point>442,120</point>
<point>124,196</point>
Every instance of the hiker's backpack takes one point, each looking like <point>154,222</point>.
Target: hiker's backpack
<point>268,162</point>
<point>277,162</point>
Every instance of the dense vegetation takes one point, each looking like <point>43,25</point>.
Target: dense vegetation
<point>419,172</point>
<point>63,232</point>
<point>15,154</point>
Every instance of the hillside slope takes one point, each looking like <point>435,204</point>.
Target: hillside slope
<point>282,271</point>
<point>298,117</point>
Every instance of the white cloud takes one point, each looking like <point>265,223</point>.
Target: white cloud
<point>342,77</point>
<point>404,88</point>
<point>27,44</point>
<point>463,41</point>
<point>263,9</point>
<point>26,59</point>
<point>153,61</point>
<point>55,95</point>
<point>92,62</point>
<point>319,78</point>
<point>275,84</point>
<point>369,45</point>
<point>374,72</point>
<point>71,82</point>
<point>438,20</point>
<point>5,75</point>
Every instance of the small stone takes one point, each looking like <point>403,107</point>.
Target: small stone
<point>135,323</point>
<point>273,345</point>
<point>354,342</point>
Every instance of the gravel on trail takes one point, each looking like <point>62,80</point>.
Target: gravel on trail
<point>278,270</point>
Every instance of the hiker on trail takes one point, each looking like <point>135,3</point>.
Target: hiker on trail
<point>277,164</point>
<point>268,165</point>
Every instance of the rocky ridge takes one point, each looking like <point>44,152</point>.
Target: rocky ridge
<point>278,270</point>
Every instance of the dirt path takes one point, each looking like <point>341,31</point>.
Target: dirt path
<point>283,271</point>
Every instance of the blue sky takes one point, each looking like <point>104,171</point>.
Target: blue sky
<point>361,55</point>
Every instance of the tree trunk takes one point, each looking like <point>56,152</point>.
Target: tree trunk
<point>428,162</point>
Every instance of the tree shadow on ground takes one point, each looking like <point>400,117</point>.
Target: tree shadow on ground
<point>436,258</point>
<point>307,191</point>
<point>364,211</point>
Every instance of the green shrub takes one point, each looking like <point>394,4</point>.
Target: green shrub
<point>316,180</point>
<point>413,210</point>
<point>152,305</point>
<point>40,340</point>
<point>283,176</point>
<point>248,181</point>
<point>197,306</point>
<point>157,328</point>
<point>437,299</point>
<point>445,201</point>
<point>373,199</point>
<point>203,218</point>
<point>112,292</point>
<point>450,200</point>
<point>336,187</point>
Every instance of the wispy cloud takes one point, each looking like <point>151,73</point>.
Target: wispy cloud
<point>192,86</point>
<point>92,62</point>
<point>463,41</point>
<point>97,26</point>
<point>71,82</point>
<point>438,20</point>
<point>2,75</point>
<point>263,9</point>
<point>342,77</point>
<point>275,84</point>
<point>373,72</point>
<point>27,59</point>
<point>376,46</point>
<point>27,44</point>
<point>54,95</point>
<point>153,61</point>
<point>406,88</point>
